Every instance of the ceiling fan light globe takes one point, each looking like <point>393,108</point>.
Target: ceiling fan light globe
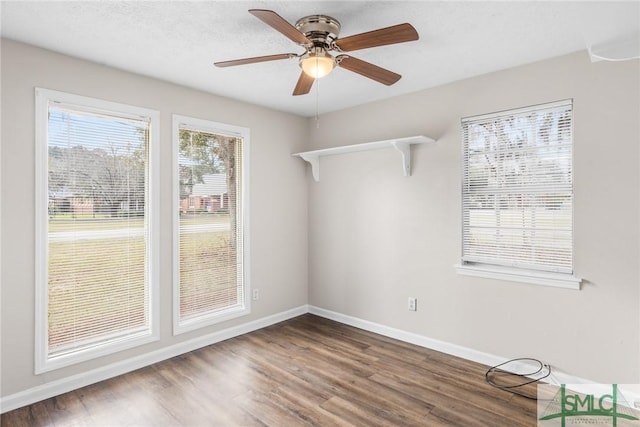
<point>317,66</point>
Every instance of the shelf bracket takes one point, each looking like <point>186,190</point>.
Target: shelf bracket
<point>314,161</point>
<point>404,147</point>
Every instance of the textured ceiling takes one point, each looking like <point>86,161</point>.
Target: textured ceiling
<point>178,41</point>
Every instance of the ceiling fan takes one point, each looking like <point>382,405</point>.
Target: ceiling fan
<point>318,34</point>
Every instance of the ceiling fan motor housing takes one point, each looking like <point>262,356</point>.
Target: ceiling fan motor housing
<point>322,30</point>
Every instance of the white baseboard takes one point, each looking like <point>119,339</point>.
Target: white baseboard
<point>555,377</point>
<point>64,385</point>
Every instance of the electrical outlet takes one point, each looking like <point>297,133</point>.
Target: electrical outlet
<point>256,294</point>
<point>413,304</point>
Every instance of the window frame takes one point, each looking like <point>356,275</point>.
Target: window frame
<point>515,273</point>
<point>43,98</point>
<point>207,319</point>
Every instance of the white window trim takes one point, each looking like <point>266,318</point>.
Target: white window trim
<point>558,280</point>
<point>43,97</point>
<point>513,274</point>
<point>182,326</point>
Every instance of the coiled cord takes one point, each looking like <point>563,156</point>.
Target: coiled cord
<point>494,372</point>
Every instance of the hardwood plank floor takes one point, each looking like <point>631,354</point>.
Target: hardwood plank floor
<point>307,371</point>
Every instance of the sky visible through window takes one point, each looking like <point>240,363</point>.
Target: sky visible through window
<point>67,129</point>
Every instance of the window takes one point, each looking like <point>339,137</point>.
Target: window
<point>95,219</point>
<point>210,227</point>
<point>517,195</point>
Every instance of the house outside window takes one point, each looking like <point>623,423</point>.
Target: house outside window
<point>517,195</point>
<point>211,250</point>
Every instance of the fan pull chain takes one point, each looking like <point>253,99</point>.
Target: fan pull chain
<point>317,103</point>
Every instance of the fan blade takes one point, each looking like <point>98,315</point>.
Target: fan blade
<point>367,69</point>
<point>243,61</point>
<point>396,34</point>
<point>278,23</point>
<point>304,84</point>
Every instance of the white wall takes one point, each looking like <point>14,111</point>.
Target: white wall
<point>377,237</point>
<point>278,198</point>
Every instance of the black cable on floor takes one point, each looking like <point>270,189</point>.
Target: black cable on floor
<point>494,372</point>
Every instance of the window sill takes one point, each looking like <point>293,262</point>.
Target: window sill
<point>200,321</point>
<point>558,280</point>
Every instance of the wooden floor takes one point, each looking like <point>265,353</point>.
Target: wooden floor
<point>305,371</point>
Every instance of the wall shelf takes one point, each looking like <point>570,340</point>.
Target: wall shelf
<point>403,145</point>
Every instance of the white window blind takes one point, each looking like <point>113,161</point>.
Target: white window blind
<point>210,282</point>
<point>96,236</point>
<point>518,188</point>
